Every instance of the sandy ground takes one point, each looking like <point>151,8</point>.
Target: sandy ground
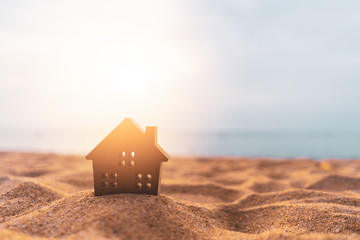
<point>51,196</point>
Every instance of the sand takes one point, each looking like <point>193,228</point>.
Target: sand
<point>51,196</point>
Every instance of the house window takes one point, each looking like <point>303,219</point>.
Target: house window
<point>113,184</point>
<point>131,163</point>
<point>138,176</point>
<point>132,154</point>
<point>114,175</point>
<point>122,163</point>
<point>138,185</point>
<point>148,186</point>
<point>104,175</point>
<point>148,177</point>
<point>104,184</point>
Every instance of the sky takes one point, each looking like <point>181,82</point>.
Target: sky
<point>180,65</point>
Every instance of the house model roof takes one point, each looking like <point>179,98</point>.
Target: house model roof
<point>128,133</point>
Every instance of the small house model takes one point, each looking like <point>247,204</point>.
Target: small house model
<point>128,160</point>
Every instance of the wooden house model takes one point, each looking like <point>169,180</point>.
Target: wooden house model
<point>128,160</point>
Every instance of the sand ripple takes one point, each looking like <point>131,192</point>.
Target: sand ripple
<point>229,199</point>
<point>337,183</point>
<point>24,198</point>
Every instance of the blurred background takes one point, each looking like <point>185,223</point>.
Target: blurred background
<point>243,78</point>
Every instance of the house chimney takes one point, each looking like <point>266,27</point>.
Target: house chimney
<point>151,134</point>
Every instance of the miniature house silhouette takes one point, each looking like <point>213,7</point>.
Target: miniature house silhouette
<point>128,160</point>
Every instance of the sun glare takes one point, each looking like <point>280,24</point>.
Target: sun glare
<point>134,86</point>
<point>132,79</point>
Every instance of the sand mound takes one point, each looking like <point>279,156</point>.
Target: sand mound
<point>6,184</point>
<point>271,198</point>
<point>229,182</point>
<point>4,180</point>
<point>31,173</point>
<point>216,191</point>
<point>296,218</point>
<point>337,183</point>
<point>134,216</point>
<point>24,198</point>
<point>78,181</point>
<point>267,187</point>
<point>125,215</point>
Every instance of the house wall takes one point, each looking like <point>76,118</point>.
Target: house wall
<point>126,176</point>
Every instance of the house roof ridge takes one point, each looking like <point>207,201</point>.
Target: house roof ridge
<point>127,120</point>
<point>134,123</point>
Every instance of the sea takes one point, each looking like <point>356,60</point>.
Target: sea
<point>315,144</point>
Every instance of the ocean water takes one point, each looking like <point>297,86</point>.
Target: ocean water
<point>274,144</point>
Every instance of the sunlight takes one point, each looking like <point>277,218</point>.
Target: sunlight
<point>132,79</point>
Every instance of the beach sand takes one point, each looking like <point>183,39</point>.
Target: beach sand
<point>51,196</point>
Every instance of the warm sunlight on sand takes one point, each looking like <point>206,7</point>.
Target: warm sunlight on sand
<point>52,196</point>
